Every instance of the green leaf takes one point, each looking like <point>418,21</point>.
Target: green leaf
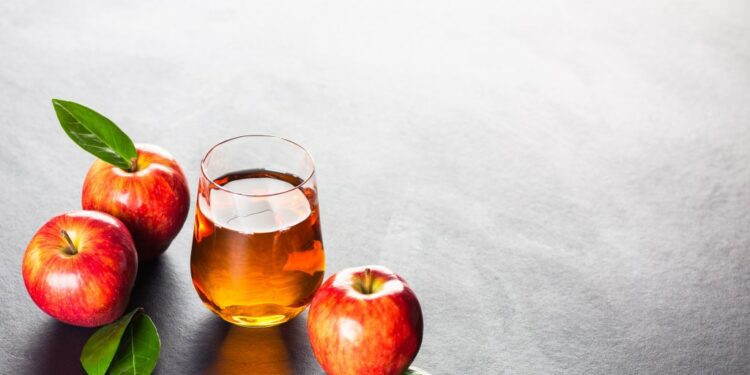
<point>101,347</point>
<point>139,349</point>
<point>415,371</point>
<point>96,134</point>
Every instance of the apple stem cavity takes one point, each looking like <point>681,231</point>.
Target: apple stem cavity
<point>71,249</point>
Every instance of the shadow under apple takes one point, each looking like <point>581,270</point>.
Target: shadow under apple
<point>157,289</point>
<point>149,289</point>
<point>58,350</point>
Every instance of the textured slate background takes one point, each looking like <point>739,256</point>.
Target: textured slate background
<point>565,184</point>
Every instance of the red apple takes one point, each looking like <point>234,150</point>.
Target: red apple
<point>365,320</point>
<point>80,267</point>
<point>152,201</point>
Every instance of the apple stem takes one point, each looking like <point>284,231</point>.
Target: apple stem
<point>368,281</point>
<point>71,250</point>
<point>133,165</point>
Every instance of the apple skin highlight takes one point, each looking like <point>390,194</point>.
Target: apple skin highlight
<point>90,284</point>
<point>356,328</point>
<point>153,201</point>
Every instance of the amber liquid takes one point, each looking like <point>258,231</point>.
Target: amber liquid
<point>257,261</point>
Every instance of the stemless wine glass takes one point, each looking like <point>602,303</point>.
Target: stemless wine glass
<point>257,255</point>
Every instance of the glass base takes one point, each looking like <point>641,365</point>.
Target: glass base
<point>254,321</point>
<point>257,316</point>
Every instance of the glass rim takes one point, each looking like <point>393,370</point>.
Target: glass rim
<point>212,182</point>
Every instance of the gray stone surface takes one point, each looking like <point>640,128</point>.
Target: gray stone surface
<point>565,184</point>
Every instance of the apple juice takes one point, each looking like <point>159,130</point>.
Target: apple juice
<point>257,256</point>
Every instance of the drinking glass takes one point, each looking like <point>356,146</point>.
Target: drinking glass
<point>257,256</point>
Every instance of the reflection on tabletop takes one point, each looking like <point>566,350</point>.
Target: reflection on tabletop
<point>248,350</point>
<point>223,348</point>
